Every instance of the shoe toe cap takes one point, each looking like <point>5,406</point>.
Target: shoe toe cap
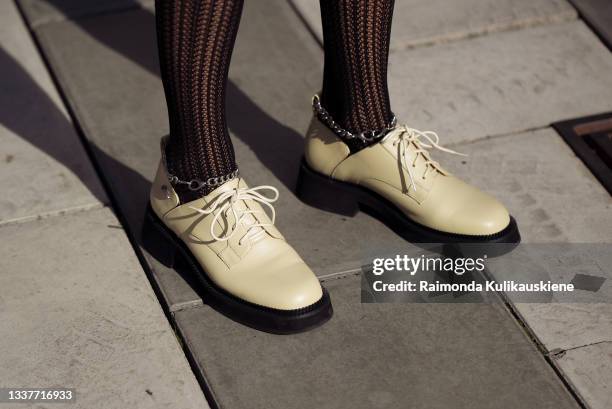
<point>463,209</point>
<point>288,287</point>
<point>482,218</point>
<point>273,275</point>
<point>298,289</point>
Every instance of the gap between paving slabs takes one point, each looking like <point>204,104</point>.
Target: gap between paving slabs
<point>45,95</point>
<point>92,152</point>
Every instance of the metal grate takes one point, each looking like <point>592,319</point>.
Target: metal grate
<point>591,139</point>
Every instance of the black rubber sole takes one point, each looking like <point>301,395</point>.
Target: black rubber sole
<point>173,253</point>
<point>347,199</point>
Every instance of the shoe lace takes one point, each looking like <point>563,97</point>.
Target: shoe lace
<point>422,142</point>
<point>227,201</point>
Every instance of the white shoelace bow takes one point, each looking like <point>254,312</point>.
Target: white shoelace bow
<point>227,201</point>
<point>407,136</point>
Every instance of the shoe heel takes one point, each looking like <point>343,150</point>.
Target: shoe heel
<point>321,192</point>
<point>157,241</point>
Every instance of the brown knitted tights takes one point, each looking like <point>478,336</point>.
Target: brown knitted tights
<point>196,39</point>
<point>356,37</point>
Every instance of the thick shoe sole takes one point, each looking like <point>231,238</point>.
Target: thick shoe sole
<point>347,199</point>
<point>173,253</point>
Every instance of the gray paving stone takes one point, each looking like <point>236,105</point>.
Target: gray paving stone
<point>569,320</point>
<point>43,167</point>
<point>548,189</point>
<point>376,355</point>
<point>569,325</point>
<point>44,11</point>
<point>122,110</point>
<point>426,22</point>
<point>502,83</point>
<point>544,185</point>
<point>99,330</point>
<point>590,371</point>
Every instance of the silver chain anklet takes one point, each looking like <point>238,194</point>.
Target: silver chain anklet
<point>366,136</point>
<point>195,184</point>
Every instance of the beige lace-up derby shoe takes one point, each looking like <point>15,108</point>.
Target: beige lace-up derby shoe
<point>244,265</point>
<point>397,179</point>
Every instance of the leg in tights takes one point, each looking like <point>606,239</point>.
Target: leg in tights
<point>195,41</point>
<point>356,37</point>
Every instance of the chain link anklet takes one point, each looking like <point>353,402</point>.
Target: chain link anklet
<point>366,136</point>
<point>195,184</point>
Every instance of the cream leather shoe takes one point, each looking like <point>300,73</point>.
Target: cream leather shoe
<point>398,180</point>
<point>244,265</point>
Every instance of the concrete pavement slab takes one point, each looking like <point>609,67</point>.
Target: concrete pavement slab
<point>427,22</point>
<point>563,326</point>
<point>78,312</point>
<point>376,356</point>
<point>547,188</point>
<point>43,166</point>
<point>502,83</point>
<point>544,185</point>
<point>590,371</point>
<point>107,66</point>
<point>45,11</point>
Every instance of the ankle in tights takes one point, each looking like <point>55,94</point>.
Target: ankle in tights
<point>356,36</point>
<point>196,39</point>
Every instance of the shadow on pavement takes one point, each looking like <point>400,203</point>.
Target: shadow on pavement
<point>128,188</point>
<point>19,91</point>
<point>246,120</point>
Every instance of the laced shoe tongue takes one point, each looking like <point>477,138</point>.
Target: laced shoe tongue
<point>393,135</point>
<point>231,204</point>
<point>421,142</point>
<point>254,233</point>
<point>414,144</point>
<point>248,225</point>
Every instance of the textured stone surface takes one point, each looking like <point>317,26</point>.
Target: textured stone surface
<point>590,370</point>
<point>548,194</point>
<point>502,83</point>
<point>43,167</point>
<point>77,311</point>
<point>424,22</point>
<point>547,188</point>
<point>569,325</point>
<point>122,112</point>
<point>376,356</point>
<point>45,11</point>
<point>543,184</point>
